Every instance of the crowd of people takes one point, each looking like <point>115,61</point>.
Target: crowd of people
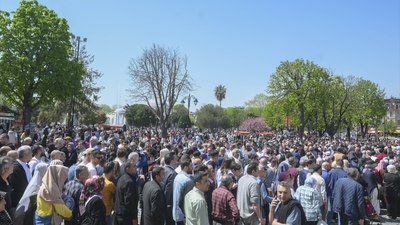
<point>103,177</point>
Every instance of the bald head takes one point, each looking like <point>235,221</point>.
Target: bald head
<point>13,154</point>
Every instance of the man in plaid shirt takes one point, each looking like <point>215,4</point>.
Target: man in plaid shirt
<point>224,208</point>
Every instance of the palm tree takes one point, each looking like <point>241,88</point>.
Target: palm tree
<point>220,92</point>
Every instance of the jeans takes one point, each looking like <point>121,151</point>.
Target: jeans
<point>42,220</point>
<point>109,220</point>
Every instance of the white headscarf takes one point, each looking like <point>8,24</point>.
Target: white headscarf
<point>31,189</point>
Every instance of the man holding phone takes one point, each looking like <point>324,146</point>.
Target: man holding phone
<point>285,209</point>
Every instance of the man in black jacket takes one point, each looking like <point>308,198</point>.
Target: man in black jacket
<point>126,197</point>
<point>169,159</point>
<point>154,205</point>
<point>21,175</point>
<point>285,209</point>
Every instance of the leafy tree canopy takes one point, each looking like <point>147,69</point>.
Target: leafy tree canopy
<point>139,115</point>
<point>210,116</point>
<point>36,63</point>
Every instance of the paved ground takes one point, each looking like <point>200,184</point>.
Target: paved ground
<point>384,220</point>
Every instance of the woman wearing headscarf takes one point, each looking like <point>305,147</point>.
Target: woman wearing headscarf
<point>5,218</point>
<point>6,169</point>
<point>391,182</point>
<point>91,205</point>
<point>51,208</point>
<point>27,205</point>
<point>310,199</point>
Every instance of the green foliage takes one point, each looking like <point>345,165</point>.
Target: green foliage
<point>236,116</point>
<point>293,83</point>
<point>311,96</point>
<point>106,108</point>
<point>184,121</point>
<point>256,106</point>
<point>35,58</point>
<point>46,114</point>
<point>210,116</point>
<point>180,117</point>
<point>389,126</point>
<point>369,105</point>
<point>97,116</point>
<point>220,92</point>
<point>139,115</point>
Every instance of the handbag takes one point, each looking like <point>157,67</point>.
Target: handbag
<point>321,222</point>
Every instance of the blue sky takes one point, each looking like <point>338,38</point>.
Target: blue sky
<point>237,44</point>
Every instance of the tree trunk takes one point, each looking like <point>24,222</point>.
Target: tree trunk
<point>301,127</point>
<point>26,114</point>
<point>348,129</point>
<point>163,126</point>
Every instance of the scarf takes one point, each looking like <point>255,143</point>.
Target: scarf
<point>51,188</point>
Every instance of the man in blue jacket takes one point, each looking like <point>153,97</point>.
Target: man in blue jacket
<point>348,199</point>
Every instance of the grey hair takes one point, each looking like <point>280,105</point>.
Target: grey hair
<point>132,154</point>
<point>226,180</point>
<point>23,150</point>
<point>79,169</point>
<point>6,162</point>
<point>352,172</point>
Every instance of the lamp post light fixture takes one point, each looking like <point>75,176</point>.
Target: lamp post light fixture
<point>189,99</point>
<point>77,40</point>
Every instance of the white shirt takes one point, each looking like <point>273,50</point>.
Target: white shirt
<point>26,169</point>
<point>32,164</point>
<point>92,170</point>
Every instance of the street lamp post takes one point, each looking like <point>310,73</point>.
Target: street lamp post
<point>189,99</point>
<point>78,41</point>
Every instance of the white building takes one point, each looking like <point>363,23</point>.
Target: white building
<point>117,117</point>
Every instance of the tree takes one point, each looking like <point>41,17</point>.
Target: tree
<point>236,116</point>
<point>139,115</point>
<point>220,92</point>
<point>368,106</point>
<point>292,82</point>
<point>98,116</point>
<point>336,100</point>
<point>388,126</point>
<point>212,117</point>
<point>47,114</point>
<point>180,116</point>
<point>83,101</point>
<point>253,125</point>
<point>106,108</point>
<point>280,114</point>
<point>159,77</point>
<point>256,106</point>
<point>35,58</point>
